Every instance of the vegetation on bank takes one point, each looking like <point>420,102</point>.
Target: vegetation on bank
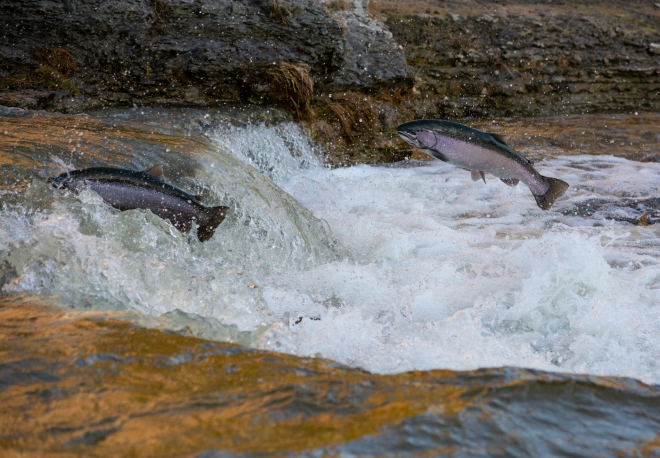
<point>354,127</point>
<point>56,66</point>
<point>45,77</point>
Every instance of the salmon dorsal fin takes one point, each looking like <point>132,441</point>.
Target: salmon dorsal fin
<point>510,181</point>
<point>156,171</point>
<point>214,216</point>
<point>499,138</point>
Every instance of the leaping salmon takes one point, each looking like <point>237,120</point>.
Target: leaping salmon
<point>480,153</point>
<point>130,190</point>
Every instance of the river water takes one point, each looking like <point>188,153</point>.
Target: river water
<point>390,269</point>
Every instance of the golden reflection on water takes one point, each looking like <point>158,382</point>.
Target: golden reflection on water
<point>86,384</point>
<point>83,380</point>
<point>75,131</point>
<point>48,136</point>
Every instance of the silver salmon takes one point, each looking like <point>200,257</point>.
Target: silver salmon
<point>130,190</point>
<point>480,153</point>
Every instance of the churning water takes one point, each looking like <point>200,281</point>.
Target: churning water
<point>389,268</point>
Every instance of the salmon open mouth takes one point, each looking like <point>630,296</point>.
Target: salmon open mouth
<point>409,137</point>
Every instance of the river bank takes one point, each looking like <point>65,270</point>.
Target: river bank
<point>349,71</point>
<point>528,58</point>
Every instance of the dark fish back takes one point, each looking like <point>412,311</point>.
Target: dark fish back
<point>129,190</point>
<point>143,179</point>
<point>466,134</point>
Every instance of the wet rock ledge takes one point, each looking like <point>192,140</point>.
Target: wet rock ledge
<point>198,52</point>
<point>528,57</point>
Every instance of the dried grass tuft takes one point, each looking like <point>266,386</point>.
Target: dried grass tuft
<point>294,86</point>
<point>337,5</point>
<point>356,114</point>
<point>56,58</point>
<point>160,9</point>
<point>279,13</point>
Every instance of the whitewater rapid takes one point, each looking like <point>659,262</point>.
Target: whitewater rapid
<point>389,268</point>
<point>444,272</point>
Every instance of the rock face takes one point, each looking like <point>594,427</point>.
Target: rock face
<point>533,62</point>
<point>468,58</point>
<point>373,58</point>
<point>196,51</point>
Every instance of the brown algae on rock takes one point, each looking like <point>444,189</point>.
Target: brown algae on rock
<point>45,77</point>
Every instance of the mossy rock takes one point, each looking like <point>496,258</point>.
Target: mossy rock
<point>44,77</point>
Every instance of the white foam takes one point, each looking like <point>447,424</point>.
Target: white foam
<point>125,260</point>
<point>447,273</point>
<point>278,152</point>
<point>89,255</point>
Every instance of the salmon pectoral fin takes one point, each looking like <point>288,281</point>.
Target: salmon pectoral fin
<point>476,175</point>
<point>214,216</point>
<point>555,191</point>
<point>510,181</point>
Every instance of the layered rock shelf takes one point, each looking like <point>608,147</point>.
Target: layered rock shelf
<point>547,59</point>
<point>191,52</point>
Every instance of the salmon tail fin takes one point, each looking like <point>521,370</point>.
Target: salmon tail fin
<point>555,191</point>
<point>214,216</point>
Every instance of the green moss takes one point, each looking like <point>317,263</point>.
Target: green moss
<point>44,77</point>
